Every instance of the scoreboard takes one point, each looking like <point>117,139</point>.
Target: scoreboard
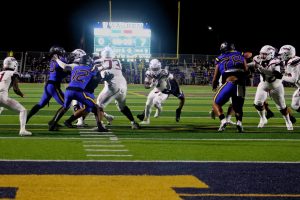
<point>128,40</point>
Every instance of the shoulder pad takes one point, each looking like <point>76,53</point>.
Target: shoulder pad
<point>294,61</point>
<point>148,73</point>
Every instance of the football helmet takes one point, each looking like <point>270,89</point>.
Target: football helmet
<point>57,50</point>
<point>107,52</point>
<point>85,60</point>
<point>76,55</point>
<point>155,66</point>
<point>10,63</point>
<point>287,52</point>
<point>95,56</point>
<point>267,52</point>
<point>225,46</point>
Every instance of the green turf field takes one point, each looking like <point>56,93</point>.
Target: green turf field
<point>194,138</point>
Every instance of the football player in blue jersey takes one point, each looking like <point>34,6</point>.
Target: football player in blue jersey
<point>231,64</point>
<point>84,79</point>
<point>53,85</point>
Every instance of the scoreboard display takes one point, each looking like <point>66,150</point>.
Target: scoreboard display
<point>128,40</point>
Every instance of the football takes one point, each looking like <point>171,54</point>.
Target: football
<point>247,55</point>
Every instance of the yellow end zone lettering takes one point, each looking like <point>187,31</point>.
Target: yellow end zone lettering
<point>53,187</point>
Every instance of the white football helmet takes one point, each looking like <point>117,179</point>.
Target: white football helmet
<point>77,54</point>
<point>155,66</point>
<point>107,52</point>
<point>10,63</point>
<point>267,52</point>
<point>287,52</point>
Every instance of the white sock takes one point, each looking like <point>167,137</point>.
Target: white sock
<point>262,113</point>
<point>287,118</point>
<point>23,117</point>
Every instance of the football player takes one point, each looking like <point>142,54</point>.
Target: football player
<point>269,68</point>
<point>84,79</point>
<point>231,65</point>
<point>116,87</point>
<point>287,54</point>
<point>9,78</point>
<point>53,85</point>
<point>164,85</point>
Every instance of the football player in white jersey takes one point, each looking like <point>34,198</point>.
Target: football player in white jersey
<point>269,68</point>
<point>9,78</point>
<point>164,84</point>
<point>115,88</point>
<point>287,54</point>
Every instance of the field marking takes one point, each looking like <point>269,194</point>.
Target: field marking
<point>214,139</point>
<point>94,135</point>
<point>106,141</point>
<point>107,155</point>
<point>154,161</point>
<point>116,150</point>
<point>162,139</point>
<point>103,145</point>
<point>238,195</point>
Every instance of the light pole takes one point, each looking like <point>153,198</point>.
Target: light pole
<point>109,10</point>
<point>178,26</point>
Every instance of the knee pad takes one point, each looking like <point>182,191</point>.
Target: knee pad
<point>259,107</point>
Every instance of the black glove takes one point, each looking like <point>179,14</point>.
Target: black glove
<point>108,77</point>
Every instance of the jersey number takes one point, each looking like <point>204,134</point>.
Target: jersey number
<point>110,64</point>
<point>79,74</point>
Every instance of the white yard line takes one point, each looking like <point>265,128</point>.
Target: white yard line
<point>103,145</point>
<point>107,155</point>
<point>111,150</point>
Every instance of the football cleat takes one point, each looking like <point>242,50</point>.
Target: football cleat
<point>109,119</point>
<point>69,125</point>
<point>101,129</point>
<point>222,125</point>
<point>239,127</point>
<point>289,126</point>
<point>262,122</point>
<point>145,122</point>
<point>25,133</point>
<point>135,125</point>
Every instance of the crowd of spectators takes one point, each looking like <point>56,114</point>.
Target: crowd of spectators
<point>196,71</point>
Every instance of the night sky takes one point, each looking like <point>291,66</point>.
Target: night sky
<point>37,25</point>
